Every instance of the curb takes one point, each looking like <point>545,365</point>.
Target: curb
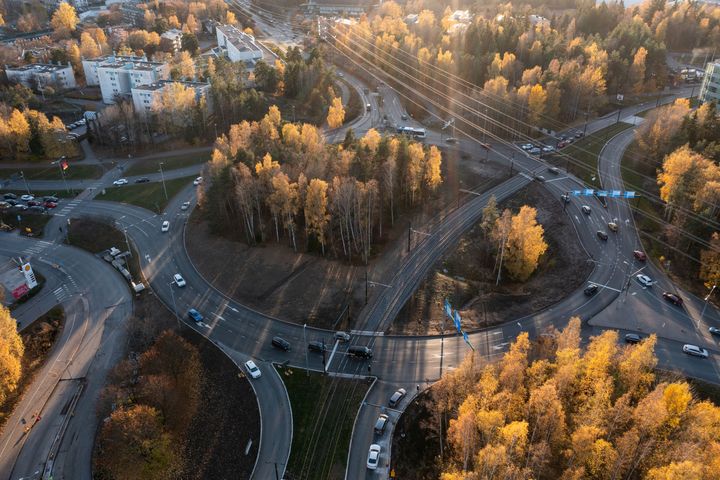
<point>357,415</point>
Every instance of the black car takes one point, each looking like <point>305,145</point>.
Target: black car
<point>281,343</point>
<point>142,180</point>
<point>316,346</point>
<point>672,298</point>
<point>12,202</point>
<point>36,209</point>
<point>51,198</point>
<point>591,290</point>
<point>10,196</point>
<point>360,351</point>
<point>602,235</point>
<point>632,338</point>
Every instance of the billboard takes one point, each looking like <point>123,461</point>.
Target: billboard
<point>16,281</point>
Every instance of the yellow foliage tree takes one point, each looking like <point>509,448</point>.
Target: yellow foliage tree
<point>64,20</point>
<point>336,113</point>
<point>11,353</point>
<point>316,216</point>
<point>433,176</point>
<point>525,244</point>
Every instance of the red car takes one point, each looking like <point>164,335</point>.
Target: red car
<point>672,298</point>
<point>49,204</point>
<point>640,255</point>
<point>34,203</point>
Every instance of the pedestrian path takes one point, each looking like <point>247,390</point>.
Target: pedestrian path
<point>65,211</point>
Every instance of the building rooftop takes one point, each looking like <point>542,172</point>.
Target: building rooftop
<point>129,65</point>
<point>159,85</point>
<point>37,67</point>
<point>240,40</point>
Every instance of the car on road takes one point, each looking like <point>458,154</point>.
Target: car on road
<point>602,235</point>
<point>672,298</point>
<point>591,290</point>
<point>714,330</point>
<point>534,151</point>
<point>639,255</point>
<point>527,146</point>
<point>562,144</point>
<point>342,336</point>
<point>451,140</point>
<point>27,198</point>
<point>195,316</point>
<point>165,226</point>
<point>185,206</point>
<point>397,397</point>
<point>316,346</point>
<point>281,343</point>
<point>644,280</point>
<point>120,181</point>
<point>632,338</point>
<point>373,456</point>
<point>403,117</point>
<point>565,198</point>
<point>12,202</point>
<point>179,280</point>
<point>142,180</point>
<point>49,204</point>
<point>360,351</point>
<point>695,350</point>
<point>613,226</point>
<point>586,210</point>
<point>540,178</point>
<point>548,149</point>
<point>252,369</point>
<point>51,198</point>
<point>340,74</point>
<point>554,170</point>
<point>10,196</point>
<point>197,181</point>
<point>380,424</point>
<point>579,134</point>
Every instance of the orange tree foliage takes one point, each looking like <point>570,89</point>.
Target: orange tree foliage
<point>549,410</point>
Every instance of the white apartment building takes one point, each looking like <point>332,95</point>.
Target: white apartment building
<point>120,77</point>
<point>240,46</point>
<point>41,75</point>
<point>144,96</point>
<point>710,88</point>
<point>175,37</point>
<point>90,66</point>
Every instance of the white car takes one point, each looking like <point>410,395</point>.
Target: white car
<point>185,206</point>
<point>548,149</point>
<point>695,350</point>
<point>342,336</point>
<point>373,456</point>
<point>27,198</point>
<point>165,226</point>
<point>252,369</point>
<point>120,181</point>
<point>179,281</point>
<point>644,280</point>
<point>197,181</point>
<point>527,146</point>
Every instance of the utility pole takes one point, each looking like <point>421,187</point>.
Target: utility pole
<point>162,177</point>
<point>587,113</point>
<point>366,286</point>
<point>706,301</point>
<point>127,242</point>
<point>307,368</point>
<point>27,187</point>
<point>409,232</point>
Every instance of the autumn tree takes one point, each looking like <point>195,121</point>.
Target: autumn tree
<point>525,244</point>
<point>710,262</point>
<point>89,47</point>
<point>336,113</point>
<point>64,21</point>
<point>11,353</point>
<point>316,216</point>
<point>433,177</point>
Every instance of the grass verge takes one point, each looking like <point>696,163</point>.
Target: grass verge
<point>45,193</point>
<point>143,167</point>
<point>38,339</point>
<point>324,410</point>
<point>146,195</point>
<point>30,224</point>
<point>52,172</point>
<point>584,153</point>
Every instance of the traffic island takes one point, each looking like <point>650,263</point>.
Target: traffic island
<point>323,410</point>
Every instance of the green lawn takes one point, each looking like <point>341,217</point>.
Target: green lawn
<point>146,195</point>
<point>52,172</point>
<point>31,224</point>
<point>584,153</point>
<point>324,410</point>
<point>143,167</point>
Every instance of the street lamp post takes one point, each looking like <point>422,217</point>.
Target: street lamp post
<point>307,367</point>
<point>58,162</point>
<point>27,187</point>
<point>162,177</point>
<point>706,301</point>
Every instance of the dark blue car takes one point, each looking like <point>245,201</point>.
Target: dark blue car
<point>195,315</point>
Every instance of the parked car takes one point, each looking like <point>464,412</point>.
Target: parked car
<point>632,338</point>
<point>198,181</point>
<point>565,198</point>
<point>195,316</point>
<point>451,140</point>
<point>534,151</point>
<point>10,196</point>
<point>403,117</point>
<point>591,290</point>
<point>252,369</point>
<point>527,146</point>
<point>373,456</point>
<point>602,235</point>
<point>672,298</point>
<point>548,149</point>
<point>12,202</point>
<point>639,255</point>
<point>51,198</point>
<point>4,205</point>
<point>380,424</point>
<point>165,226</point>
<point>342,336</point>
<point>695,350</point>
<point>316,346</point>
<point>540,178</point>
<point>281,343</point>
<point>644,280</point>
<point>185,206</point>
<point>120,181</point>
<point>586,210</point>
<point>397,397</point>
<point>19,207</point>
<point>27,198</point>
<point>561,144</point>
<point>34,203</point>
<point>49,204</point>
<point>142,180</point>
<point>36,209</point>
<point>579,134</point>
<point>179,280</point>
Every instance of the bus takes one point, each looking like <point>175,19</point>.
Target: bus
<point>412,132</point>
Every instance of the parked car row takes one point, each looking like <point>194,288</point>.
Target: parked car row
<point>74,125</point>
<point>27,203</point>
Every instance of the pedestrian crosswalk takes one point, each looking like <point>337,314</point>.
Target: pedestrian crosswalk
<point>37,247</point>
<point>61,293</point>
<point>65,211</point>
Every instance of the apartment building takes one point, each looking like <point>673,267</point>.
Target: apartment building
<point>41,75</point>
<point>174,36</point>
<point>238,45</point>
<point>710,88</point>
<point>90,66</point>
<point>118,75</point>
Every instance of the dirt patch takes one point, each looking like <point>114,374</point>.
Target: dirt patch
<point>466,277</point>
<point>307,288</point>
<point>416,440</point>
<point>39,340</point>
